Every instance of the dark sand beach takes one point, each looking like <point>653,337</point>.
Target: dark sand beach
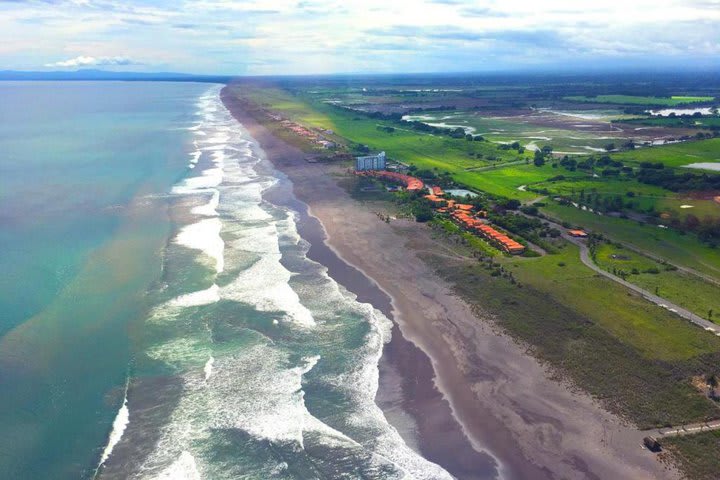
<point>464,394</point>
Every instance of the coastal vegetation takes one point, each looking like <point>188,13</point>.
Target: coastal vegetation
<point>693,454</point>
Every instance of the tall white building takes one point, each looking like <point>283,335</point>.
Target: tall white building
<point>370,162</point>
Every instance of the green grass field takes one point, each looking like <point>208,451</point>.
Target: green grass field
<point>635,358</point>
<point>688,291</point>
<point>674,155</point>
<point>638,100</point>
<point>697,454</point>
<point>644,198</point>
<point>705,122</point>
<point>655,332</point>
<point>506,180</point>
<point>676,248</point>
<point>421,149</point>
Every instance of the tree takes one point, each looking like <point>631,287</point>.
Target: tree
<point>610,147</point>
<point>692,222</point>
<point>512,204</point>
<point>539,158</point>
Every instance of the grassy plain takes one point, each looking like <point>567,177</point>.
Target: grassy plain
<point>672,101</point>
<point>656,333</point>
<point>688,291</point>
<point>703,122</point>
<point>696,454</point>
<point>526,129</point>
<point>674,155</point>
<point>678,249</point>
<point>636,358</point>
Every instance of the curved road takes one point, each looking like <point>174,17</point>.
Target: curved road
<point>687,314</point>
<point>677,309</point>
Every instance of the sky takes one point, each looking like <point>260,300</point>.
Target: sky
<point>261,37</point>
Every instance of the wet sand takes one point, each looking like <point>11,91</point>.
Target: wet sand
<point>465,395</point>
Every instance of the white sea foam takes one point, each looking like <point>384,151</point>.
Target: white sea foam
<point>204,236</point>
<point>258,388</point>
<point>122,419</point>
<point>184,468</point>
<point>210,208</point>
<point>265,286</point>
<point>195,156</point>
<point>208,368</point>
<point>195,299</point>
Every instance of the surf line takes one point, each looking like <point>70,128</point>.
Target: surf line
<point>122,419</point>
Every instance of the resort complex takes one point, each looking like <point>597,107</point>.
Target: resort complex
<point>464,215</point>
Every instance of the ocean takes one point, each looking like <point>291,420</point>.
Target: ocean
<point>160,316</point>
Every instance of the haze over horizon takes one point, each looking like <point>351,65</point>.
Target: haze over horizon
<point>311,37</point>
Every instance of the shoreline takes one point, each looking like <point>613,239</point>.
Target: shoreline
<point>497,398</point>
<point>402,366</point>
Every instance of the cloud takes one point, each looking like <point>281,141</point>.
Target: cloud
<point>84,61</point>
<point>324,36</point>
<point>519,37</point>
<point>483,12</point>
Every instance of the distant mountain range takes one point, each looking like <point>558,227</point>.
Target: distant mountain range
<point>106,75</point>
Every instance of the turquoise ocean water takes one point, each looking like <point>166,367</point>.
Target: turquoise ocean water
<point>160,318</point>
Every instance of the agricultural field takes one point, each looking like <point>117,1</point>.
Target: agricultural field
<point>672,101</point>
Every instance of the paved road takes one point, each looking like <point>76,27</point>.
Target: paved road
<point>660,259</point>
<point>677,309</point>
<point>685,429</point>
<point>657,258</point>
<point>495,167</point>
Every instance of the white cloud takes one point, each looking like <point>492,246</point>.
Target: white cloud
<point>323,36</point>
<point>85,61</point>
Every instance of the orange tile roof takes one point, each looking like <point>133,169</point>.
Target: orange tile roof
<point>411,183</point>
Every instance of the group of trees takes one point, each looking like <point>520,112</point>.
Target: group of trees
<point>678,182</point>
<point>540,155</point>
<point>707,229</point>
